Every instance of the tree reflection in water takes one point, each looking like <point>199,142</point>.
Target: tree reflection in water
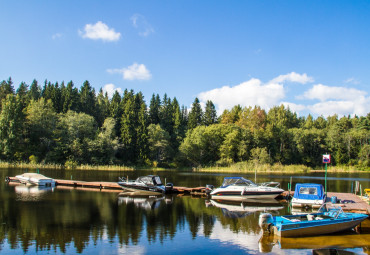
<point>56,218</point>
<point>60,219</point>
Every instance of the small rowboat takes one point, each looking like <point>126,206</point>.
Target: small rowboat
<point>327,220</point>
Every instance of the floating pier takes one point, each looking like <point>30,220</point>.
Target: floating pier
<point>348,201</point>
<point>113,186</point>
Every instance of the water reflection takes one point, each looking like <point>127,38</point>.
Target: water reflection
<point>144,202</point>
<point>242,209</point>
<point>31,193</point>
<point>69,220</point>
<point>345,240</point>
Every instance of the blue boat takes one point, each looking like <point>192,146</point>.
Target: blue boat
<point>327,220</point>
<point>308,195</point>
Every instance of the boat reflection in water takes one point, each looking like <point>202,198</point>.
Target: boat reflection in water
<point>143,202</point>
<point>31,193</point>
<point>346,240</point>
<point>241,209</point>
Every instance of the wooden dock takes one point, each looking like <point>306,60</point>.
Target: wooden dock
<point>113,186</point>
<point>348,201</point>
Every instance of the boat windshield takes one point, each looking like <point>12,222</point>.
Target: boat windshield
<point>150,180</point>
<point>238,181</point>
<point>157,180</point>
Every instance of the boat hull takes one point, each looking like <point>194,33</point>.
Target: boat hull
<point>141,190</point>
<point>300,229</point>
<point>302,203</point>
<point>233,196</point>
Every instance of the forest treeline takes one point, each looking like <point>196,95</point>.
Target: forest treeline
<point>61,124</point>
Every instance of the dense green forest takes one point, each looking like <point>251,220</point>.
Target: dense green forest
<point>61,124</point>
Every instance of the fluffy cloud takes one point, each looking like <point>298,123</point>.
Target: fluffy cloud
<point>331,100</point>
<point>359,107</point>
<point>293,77</point>
<point>324,93</point>
<point>249,93</point>
<point>99,31</point>
<point>294,107</point>
<point>139,22</point>
<point>133,72</point>
<point>110,89</point>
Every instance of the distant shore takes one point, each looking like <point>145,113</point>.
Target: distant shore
<point>242,167</point>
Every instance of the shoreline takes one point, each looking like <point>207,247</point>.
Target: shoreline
<point>243,167</point>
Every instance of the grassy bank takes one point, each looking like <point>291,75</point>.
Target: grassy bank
<point>250,167</point>
<point>241,167</point>
<point>23,165</point>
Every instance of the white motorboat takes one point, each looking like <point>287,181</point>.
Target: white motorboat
<point>145,185</point>
<point>35,179</point>
<point>241,189</point>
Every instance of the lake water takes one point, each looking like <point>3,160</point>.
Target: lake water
<point>65,220</point>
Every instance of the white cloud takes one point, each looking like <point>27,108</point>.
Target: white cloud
<point>333,100</point>
<point>56,36</point>
<point>139,22</point>
<point>110,89</point>
<point>352,80</point>
<point>324,93</point>
<point>249,93</point>
<point>99,31</point>
<point>133,72</point>
<point>359,107</point>
<point>293,77</point>
<point>294,107</point>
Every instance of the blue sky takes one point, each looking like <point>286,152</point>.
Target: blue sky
<point>312,56</point>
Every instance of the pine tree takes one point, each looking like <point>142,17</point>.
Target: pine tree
<point>154,109</point>
<point>116,111</point>
<point>128,124</point>
<point>210,114</point>
<point>88,99</point>
<point>70,98</point>
<point>195,115</point>
<point>11,127</point>
<point>22,92</point>
<point>6,88</point>
<point>35,91</point>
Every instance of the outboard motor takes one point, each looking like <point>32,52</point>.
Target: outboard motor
<point>169,187</point>
<point>209,188</point>
<point>265,221</point>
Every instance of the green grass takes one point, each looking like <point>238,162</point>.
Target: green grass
<point>240,167</point>
<point>250,167</point>
<point>24,165</point>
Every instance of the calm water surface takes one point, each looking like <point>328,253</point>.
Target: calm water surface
<point>65,220</point>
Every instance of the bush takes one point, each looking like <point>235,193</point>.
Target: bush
<point>33,159</point>
<point>70,164</point>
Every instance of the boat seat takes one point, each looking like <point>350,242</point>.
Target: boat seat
<point>310,217</point>
<point>319,218</point>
